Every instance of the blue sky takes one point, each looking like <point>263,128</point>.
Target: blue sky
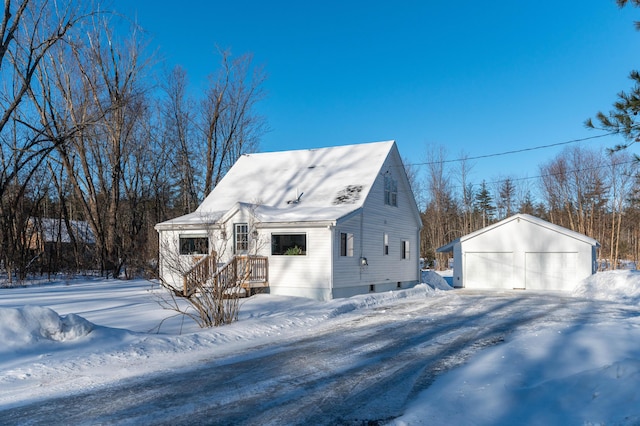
<point>474,77</point>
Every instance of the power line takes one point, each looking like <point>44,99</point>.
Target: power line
<point>498,154</point>
<point>563,172</point>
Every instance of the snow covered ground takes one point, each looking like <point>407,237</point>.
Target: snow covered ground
<point>59,339</point>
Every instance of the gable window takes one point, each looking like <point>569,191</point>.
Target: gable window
<point>386,244</point>
<point>241,237</point>
<point>346,244</point>
<point>194,245</point>
<point>405,253</point>
<point>390,191</point>
<point>289,244</point>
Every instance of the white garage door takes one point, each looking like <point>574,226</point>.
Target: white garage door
<point>550,271</point>
<point>488,270</point>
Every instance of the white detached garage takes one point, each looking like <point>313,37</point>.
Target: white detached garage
<point>522,252</point>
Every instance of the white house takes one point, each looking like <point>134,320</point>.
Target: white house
<point>522,252</point>
<point>331,222</point>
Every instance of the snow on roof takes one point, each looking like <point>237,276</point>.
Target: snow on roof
<point>521,216</point>
<point>297,186</point>
<point>193,220</point>
<point>54,230</point>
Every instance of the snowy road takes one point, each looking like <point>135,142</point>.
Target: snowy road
<point>366,368</point>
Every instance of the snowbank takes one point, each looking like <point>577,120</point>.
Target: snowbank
<point>435,280</point>
<point>23,327</point>
<point>618,286</point>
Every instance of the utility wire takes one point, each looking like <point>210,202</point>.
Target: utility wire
<point>497,154</point>
<point>564,172</point>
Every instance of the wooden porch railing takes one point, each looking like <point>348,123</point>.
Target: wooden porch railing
<point>199,274</point>
<point>246,271</point>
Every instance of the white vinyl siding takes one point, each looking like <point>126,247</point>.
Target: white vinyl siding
<point>303,276</point>
<point>383,232</point>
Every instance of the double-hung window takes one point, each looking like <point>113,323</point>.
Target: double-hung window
<point>241,237</point>
<point>390,191</point>
<point>404,249</point>
<point>346,244</point>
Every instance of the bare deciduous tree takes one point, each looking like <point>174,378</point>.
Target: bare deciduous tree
<point>180,137</point>
<point>29,30</point>
<point>439,208</point>
<point>466,194</point>
<point>229,122</point>
<point>622,171</point>
<point>96,101</point>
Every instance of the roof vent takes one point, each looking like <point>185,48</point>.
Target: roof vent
<point>297,200</point>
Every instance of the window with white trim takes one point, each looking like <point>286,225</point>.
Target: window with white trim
<point>241,237</point>
<point>386,244</point>
<point>193,245</point>
<point>346,244</point>
<point>390,191</point>
<point>405,252</point>
<point>289,244</point>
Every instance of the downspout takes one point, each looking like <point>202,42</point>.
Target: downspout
<point>332,232</point>
<point>417,249</point>
<point>361,243</point>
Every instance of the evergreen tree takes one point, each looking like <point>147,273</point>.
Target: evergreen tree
<point>623,119</point>
<point>506,193</point>
<point>484,204</point>
<point>526,205</point>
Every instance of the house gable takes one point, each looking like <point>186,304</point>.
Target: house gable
<point>537,223</point>
<point>385,235</point>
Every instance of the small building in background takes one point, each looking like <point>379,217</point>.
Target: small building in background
<point>522,252</point>
<point>58,245</point>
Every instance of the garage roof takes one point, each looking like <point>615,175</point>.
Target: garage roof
<point>520,216</point>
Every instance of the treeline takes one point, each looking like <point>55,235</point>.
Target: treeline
<point>589,191</point>
<point>92,132</point>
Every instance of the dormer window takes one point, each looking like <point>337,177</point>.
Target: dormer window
<point>390,191</point>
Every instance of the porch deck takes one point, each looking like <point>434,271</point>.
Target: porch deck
<point>248,272</point>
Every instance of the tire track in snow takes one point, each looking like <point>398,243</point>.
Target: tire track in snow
<point>364,369</point>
